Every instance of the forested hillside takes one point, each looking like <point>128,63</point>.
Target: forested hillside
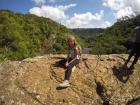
<point>87,32</point>
<point>26,35</point>
<point>114,39</point>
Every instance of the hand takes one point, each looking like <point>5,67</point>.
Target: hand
<point>66,64</point>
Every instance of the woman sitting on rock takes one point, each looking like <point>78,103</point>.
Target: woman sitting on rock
<point>73,58</point>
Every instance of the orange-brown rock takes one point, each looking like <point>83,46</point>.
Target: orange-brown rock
<point>97,80</point>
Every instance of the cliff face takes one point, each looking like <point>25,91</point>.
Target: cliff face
<point>97,80</point>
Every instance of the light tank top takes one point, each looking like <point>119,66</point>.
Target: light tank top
<point>71,50</point>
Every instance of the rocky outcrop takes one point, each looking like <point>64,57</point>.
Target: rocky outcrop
<point>97,80</point>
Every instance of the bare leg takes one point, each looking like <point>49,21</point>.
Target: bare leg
<point>135,61</point>
<point>69,69</point>
<point>130,56</point>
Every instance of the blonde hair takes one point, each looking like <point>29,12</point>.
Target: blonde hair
<point>73,38</point>
<point>75,42</point>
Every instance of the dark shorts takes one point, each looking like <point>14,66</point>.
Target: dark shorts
<point>77,61</point>
<point>62,62</point>
<point>136,48</point>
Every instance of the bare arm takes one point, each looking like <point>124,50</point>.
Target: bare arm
<point>76,52</point>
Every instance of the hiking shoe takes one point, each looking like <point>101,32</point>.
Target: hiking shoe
<point>64,84</point>
<point>73,69</point>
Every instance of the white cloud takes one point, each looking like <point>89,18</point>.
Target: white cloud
<point>54,1</point>
<point>39,2</point>
<point>58,13</point>
<point>105,24</point>
<point>123,8</point>
<point>54,12</point>
<point>83,20</point>
<point>127,11</point>
<point>49,12</point>
<point>66,7</point>
<point>114,4</point>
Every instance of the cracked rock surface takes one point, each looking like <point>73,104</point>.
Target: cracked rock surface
<point>97,80</point>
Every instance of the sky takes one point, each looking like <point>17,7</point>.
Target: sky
<point>76,13</point>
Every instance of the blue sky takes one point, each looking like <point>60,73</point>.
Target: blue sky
<point>76,13</point>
